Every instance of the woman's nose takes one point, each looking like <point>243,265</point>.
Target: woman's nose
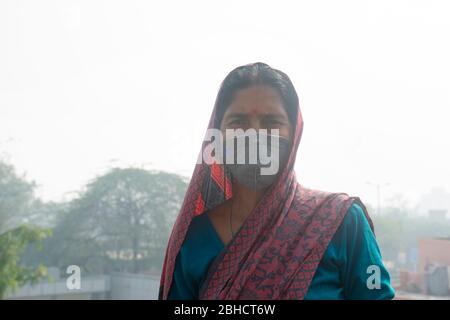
<point>256,124</point>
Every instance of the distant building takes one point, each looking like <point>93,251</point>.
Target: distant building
<point>434,204</point>
<point>434,263</point>
<point>432,279</point>
<point>434,251</point>
<point>437,214</point>
<point>117,286</point>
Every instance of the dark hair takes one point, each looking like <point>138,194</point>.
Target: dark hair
<point>256,74</point>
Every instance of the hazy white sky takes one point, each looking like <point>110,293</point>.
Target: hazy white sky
<point>85,85</point>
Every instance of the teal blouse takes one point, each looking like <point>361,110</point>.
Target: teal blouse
<point>342,273</point>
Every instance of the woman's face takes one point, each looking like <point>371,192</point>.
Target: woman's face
<point>257,107</point>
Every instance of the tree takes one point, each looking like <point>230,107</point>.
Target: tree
<point>16,194</point>
<point>12,245</point>
<point>120,222</point>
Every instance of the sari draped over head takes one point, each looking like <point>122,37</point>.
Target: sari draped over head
<point>276,251</point>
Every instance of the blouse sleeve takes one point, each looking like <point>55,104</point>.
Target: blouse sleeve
<point>363,272</point>
<point>182,288</point>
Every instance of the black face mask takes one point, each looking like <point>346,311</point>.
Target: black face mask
<point>254,164</point>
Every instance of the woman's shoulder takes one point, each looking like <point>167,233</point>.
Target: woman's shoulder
<point>356,215</point>
<point>356,225</point>
<point>319,196</point>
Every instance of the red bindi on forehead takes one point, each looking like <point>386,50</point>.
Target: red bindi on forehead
<point>260,110</point>
<point>255,110</point>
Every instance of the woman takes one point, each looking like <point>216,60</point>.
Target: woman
<point>242,235</point>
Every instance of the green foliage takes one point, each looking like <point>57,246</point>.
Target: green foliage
<point>16,194</point>
<point>120,222</point>
<point>12,244</point>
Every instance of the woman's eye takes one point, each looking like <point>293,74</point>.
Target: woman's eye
<point>274,123</point>
<point>236,122</point>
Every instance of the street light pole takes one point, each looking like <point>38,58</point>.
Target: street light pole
<point>378,199</point>
<point>378,186</point>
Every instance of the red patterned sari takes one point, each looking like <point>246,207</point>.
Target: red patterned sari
<point>277,250</point>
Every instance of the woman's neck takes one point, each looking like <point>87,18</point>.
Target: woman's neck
<point>244,201</point>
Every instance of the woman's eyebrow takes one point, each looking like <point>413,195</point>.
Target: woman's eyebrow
<point>237,115</point>
<point>274,116</point>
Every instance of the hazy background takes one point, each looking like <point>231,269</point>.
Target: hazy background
<point>104,105</point>
<point>86,85</point>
